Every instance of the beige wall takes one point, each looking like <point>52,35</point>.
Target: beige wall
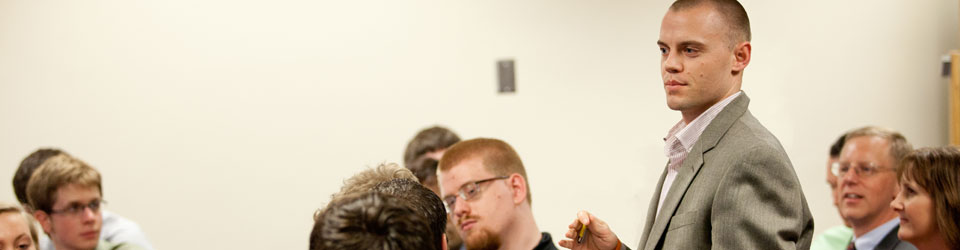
<point>225,124</point>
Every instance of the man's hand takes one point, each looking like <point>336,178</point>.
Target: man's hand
<point>597,237</point>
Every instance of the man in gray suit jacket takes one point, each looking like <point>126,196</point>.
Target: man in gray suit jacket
<point>728,183</point>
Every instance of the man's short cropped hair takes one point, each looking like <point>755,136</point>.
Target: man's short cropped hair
<point>731,10</point>
<point>372,220</point>
<point>837,146</point>
<point>58,171</point>
<point>13,208</point>
<point>899,147</point>
<point>422,200</point>
<point>497,156</point>
<point>26,169</point>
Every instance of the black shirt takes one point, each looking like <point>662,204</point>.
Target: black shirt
<point>546,243</point>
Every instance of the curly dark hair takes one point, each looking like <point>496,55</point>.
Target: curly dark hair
<point>422,200</point>
<point>372,220</point>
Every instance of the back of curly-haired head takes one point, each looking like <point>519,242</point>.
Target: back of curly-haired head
<point>371,220</point>
<point>365,180</point>
<point>422,200</point>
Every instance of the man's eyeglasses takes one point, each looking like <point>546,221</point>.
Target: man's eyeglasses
<point>863,170</point>
<point>468,191</point>
<point>76,209</point>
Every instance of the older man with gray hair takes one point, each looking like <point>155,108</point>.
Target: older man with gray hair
<point>867,172</point>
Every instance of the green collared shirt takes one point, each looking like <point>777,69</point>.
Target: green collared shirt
<point>834,238</point>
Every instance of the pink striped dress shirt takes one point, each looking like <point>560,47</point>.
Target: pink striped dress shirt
<point>680,141</point>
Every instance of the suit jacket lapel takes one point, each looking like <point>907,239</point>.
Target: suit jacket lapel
<point>889,241</point>
<point>652,210</point>
<point>685,175</point>
<point>690,167</point>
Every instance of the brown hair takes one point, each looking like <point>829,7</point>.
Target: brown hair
<point>899,147</point>
<point>837,146</point>
<point>428,140</point>
<point>731,10</point>
<point>56,172</point>
<point>27,166</point>
<point>417,156</point>
<point>425,168</point>
<point>12,208</point>
<point>497,157</point>
<point>422,200</point>
<point>937,170</point>
<point>372,220</point>
<point>367,179</point>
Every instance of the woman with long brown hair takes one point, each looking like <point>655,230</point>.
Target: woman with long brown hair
<point>929,198</point>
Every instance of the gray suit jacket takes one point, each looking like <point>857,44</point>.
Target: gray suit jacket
<point>891,242</point>
<point>735,190</point>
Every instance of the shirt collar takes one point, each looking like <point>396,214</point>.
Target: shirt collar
<point>546,242</point>
<point>871,239</point>
<point>688,134</point>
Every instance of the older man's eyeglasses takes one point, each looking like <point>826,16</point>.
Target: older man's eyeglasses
<point>468,191</point>
<point>863,170</point>
<point>76,209</point>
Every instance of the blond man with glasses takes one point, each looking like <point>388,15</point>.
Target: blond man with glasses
<point>486,192</point>
<point>115,228</point>
<point>66,196</point>
<point>867,172</point>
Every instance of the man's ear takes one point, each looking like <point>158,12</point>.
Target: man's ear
<point>741,57</point>
<point>443,243</point>
<point>519,186</point>
<point>44,219</point>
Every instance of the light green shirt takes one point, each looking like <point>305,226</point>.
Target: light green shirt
<point>835,238</point>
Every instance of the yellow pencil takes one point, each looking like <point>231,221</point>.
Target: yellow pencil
<point>583,229</point>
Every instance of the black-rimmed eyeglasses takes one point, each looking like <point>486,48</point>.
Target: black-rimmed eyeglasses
<point>76,208</point>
